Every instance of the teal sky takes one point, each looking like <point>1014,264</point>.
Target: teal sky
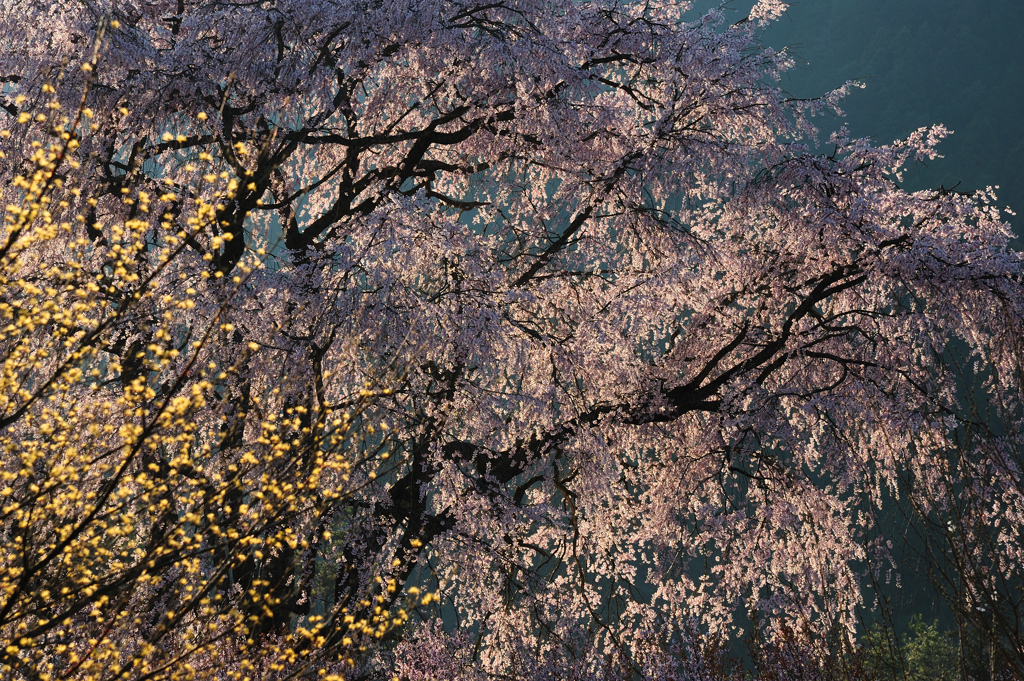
<point>955,62</point>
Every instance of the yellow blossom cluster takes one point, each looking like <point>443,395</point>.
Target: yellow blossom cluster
<point>148,529</point>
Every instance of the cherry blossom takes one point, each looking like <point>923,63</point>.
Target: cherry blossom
<point>647,362</point>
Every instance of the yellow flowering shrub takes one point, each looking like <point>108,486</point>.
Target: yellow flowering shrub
<point>150,527</point>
